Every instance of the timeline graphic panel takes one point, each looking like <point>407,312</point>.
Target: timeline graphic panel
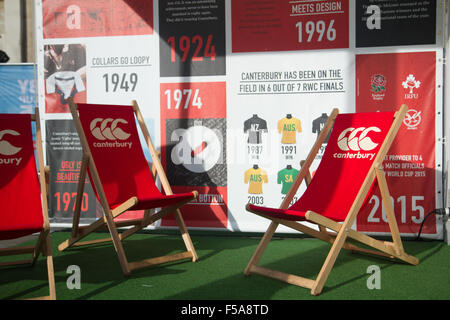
<point>100,18</point>
<point>279,25</point>
<point>64,158</point>
<point>193,134</point>
<point>243,88</point>
<point>192,38</point>
<point>395,23</point>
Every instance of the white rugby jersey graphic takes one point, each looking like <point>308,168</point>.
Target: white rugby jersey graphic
<point>64,83</point>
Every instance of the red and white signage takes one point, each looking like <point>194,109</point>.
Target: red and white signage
<point>200,70</point>
<point>193,149</point>
<point>383,83</point>
<point>289,25</point>
<point>100,18</point>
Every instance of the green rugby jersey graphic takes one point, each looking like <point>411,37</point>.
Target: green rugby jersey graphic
<point>286,177</point>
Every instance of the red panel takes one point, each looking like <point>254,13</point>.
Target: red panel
<point>86,18</point>
<point>280,25</point>
<point>384,82</point>
<point>196,101</point>
<point>209,210</point>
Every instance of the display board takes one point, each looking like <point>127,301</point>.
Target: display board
<point>235,92</point>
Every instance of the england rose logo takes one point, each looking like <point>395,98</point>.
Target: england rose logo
<point>378,86</point>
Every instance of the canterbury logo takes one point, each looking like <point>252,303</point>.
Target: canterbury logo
<point>7,148</point>
<point>108,129</point>
<point>357,140</point>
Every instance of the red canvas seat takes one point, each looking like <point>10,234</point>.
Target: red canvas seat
<point>122,179</point>
<point>329,193</point>
<point>18,169</point>
<point>277,213</point>
<point>124,171</point>
<point>23,199</point>
<point>349,169</point>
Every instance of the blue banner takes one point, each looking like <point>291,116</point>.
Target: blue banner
<point>17,88</point>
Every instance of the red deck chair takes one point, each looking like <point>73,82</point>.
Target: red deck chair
<point>122,180</point>
<point>23,197</point>
<point>350,167</point>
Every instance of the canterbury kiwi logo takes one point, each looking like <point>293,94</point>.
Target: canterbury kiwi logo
<point>357,140</point>
<point>6,148</point>
<point>107,129</point>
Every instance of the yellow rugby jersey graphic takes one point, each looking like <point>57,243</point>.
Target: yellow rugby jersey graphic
<point>289,126</point>
<point>255,177</point>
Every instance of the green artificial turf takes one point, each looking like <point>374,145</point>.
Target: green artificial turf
<point>218,274</point>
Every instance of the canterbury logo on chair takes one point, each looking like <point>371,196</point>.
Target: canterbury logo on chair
<point>7,149</point>
<point>107,129</point>
<point>358,140</point>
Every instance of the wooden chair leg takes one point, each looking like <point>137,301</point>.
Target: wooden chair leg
<point>185,235</point>
<point>117,244</point>
<point>386,200</point>
<point>81,234</point>
<point>79,199</point>
<point>38,248</point>
<point>261,247</point>
<point>329,263</point>
<point>50,269</point>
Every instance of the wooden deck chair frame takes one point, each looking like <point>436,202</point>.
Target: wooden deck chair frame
<point>342,232</point>
<point>43,244</point>
<point>79,232</point>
